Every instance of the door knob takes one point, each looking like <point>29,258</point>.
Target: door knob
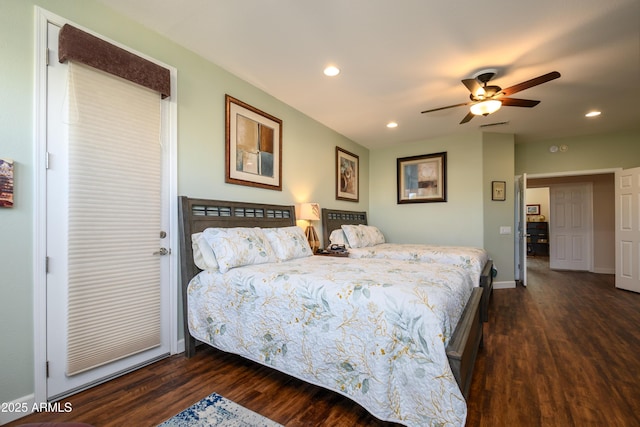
<point>163,251</point>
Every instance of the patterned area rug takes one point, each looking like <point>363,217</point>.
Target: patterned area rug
<point>215,410</point>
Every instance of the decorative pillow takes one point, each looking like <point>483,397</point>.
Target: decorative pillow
<point>203,255</point>
<point>288,242</point>
<point>362,236</point>
<point>374,235</point>
<point>235,247</point>
<point>337,237</point>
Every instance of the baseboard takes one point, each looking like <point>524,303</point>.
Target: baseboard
<point>16,409</point>
<point>504,285</point>
<point>604,270</point>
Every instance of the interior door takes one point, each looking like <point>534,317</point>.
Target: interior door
<point>627,234</point>
<point>570,227</point>
<point>59,381</point>
<point>521,226</point>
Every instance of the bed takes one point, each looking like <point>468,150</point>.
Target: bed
<point>395,336</point>
<point>475,260</point>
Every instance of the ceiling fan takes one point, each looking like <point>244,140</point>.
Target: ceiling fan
<point>487,99</point>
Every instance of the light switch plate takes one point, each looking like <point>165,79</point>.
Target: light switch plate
<point>505,229</point>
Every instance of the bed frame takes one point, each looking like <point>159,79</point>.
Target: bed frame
<point>333,219</point>
<point>195,215</point>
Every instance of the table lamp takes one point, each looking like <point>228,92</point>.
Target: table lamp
<point>311,212</point>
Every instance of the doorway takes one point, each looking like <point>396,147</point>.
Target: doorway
<point>603,249</point>
<point>50,140</point>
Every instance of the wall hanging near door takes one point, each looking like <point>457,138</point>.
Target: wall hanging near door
<point>6,183</point>
<point>499,190</point>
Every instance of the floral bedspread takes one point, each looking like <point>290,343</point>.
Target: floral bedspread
<point>469,258</point>
<point>372,330</point>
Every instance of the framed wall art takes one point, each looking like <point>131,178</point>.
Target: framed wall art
<point>253,146</point>
<point>6,183</point>
<point>499,190</point>
<point>347,175</point>
<point>533,209</point>
<point>422,179</point>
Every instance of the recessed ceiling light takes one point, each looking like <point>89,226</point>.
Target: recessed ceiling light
<point>331,71</point>
<point>593,114</point>
<point>392,125</point>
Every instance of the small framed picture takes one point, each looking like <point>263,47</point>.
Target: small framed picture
<point>347,175</point>
<point>6,183</point>
<point>499,190</point>
<point>533,209</point>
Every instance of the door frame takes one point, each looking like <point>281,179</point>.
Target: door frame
<point>520,241</point>
<point>42,18</point>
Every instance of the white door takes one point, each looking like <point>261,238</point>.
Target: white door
<point>61,379</point>
<point>570,226</point>
<point>627,233</point>
<point>521,226</point>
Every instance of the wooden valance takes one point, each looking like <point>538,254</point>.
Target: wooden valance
<point>90,50</point>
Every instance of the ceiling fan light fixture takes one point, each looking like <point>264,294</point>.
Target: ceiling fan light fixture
<point>487,107</point>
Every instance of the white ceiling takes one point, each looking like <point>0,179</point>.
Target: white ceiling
<point>399,58</point>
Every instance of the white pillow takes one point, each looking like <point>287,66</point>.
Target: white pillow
<point>362,236</point>
<point>288,242</point>
<point>203,255</point>
<point>235,247</point>
<point>374,235</point>
<point>337,237</point>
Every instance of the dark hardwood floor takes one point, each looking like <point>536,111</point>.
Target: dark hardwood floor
<point>565,351</point>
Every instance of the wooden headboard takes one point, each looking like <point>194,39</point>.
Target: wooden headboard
<point>195,215</point>
<point>333,219</point>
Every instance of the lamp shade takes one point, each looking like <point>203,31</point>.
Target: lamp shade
<point>310,211</point>
<point>486,107</point>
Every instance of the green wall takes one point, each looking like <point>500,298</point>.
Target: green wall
<point>308,154</point>
<point>586,153</point>
<point>16,224</point>
<point>469,217</point>
<point>457,221</point>
<point>498,162</point>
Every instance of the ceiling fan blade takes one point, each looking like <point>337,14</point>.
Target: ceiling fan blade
<point>515,102</point>
<point>472,85</point>
<point>444,108</point>
<point>530,83</point>
<point>468,117</point>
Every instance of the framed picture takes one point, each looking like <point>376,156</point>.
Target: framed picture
<point>6,183</point>
<point>499,190</point>
<point>253,146</point>
<point>347,175</point>
<point>533,209</point>
<point>422,179</point>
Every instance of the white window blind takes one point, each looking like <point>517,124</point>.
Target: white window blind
<point>114,219</point>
